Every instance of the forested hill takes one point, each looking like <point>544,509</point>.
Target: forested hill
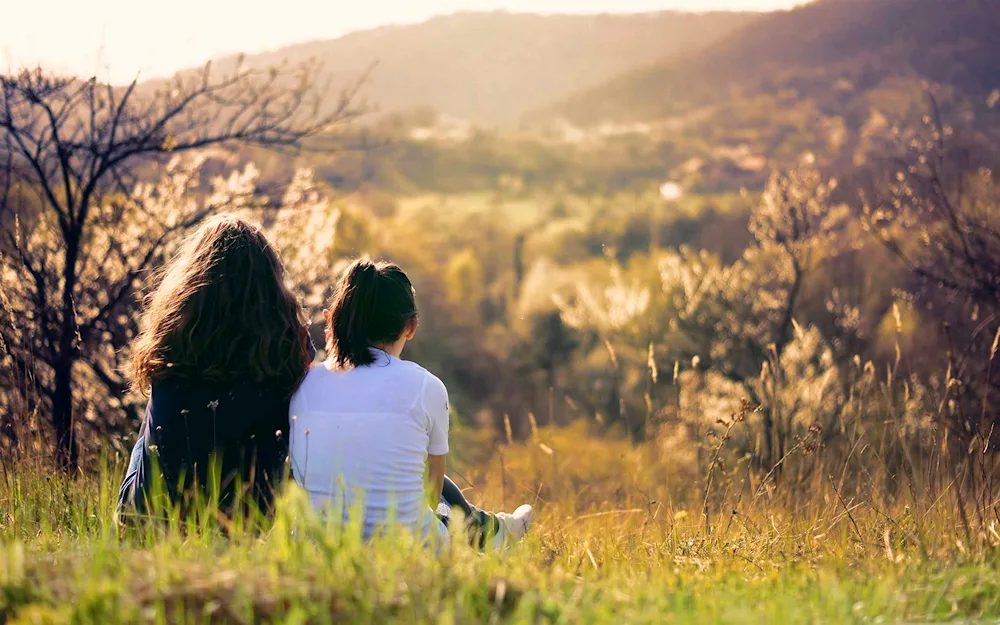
<point>492,68</point>
<point>815,51</point>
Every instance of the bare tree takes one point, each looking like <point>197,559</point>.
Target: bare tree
<point>939,212</point>
<point>81,226</point>
<point>788,217</point>
<point>733,323</point>
<point>936,207</point>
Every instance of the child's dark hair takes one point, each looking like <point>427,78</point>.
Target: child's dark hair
<point>373,304</point>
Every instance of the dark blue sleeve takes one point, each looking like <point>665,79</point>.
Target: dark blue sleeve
<point>131,495</point>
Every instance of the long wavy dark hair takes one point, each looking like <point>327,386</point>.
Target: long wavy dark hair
<point>222,314</point>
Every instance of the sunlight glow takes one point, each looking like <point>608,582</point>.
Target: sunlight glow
<point>121,39</point>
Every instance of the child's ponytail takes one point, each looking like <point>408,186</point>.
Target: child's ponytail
<point>373,304</point>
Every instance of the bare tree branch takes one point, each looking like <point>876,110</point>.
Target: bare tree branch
<point>87,151</point>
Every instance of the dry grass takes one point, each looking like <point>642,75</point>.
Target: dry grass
<point>620,537</point>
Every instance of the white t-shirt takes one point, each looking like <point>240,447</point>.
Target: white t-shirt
<point>365,433</point>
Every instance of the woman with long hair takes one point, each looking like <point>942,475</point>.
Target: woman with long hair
<point>365,423</point>
<point>221,348</point>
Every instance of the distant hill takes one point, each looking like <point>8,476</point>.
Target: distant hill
<point>493,68</point>
<point>814,51</point>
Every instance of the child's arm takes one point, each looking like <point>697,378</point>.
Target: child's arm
<point>436,408</point>
<point>435,478</point>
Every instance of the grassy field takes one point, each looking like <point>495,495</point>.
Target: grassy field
<point>619,537</point>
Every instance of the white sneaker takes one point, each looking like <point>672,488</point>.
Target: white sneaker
<point>513,527</point>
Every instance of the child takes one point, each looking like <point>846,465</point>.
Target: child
<point>365,422</point>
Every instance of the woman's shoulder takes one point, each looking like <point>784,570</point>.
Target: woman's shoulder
<point>202,406</point>
<point>168,389</point>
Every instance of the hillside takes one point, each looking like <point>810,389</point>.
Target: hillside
<point>817,51</point>
<point>494,67</point>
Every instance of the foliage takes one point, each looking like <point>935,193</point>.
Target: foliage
<point>934,204</point>
<point>83,226</point>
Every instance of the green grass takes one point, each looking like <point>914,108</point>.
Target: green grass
<point>617,540</point>
<point>273,580</point>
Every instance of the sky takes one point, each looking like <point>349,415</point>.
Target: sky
<point>118,40</point>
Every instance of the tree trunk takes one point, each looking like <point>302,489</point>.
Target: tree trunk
<point>67,450</point>
<point>783,431</point>
<point>776,426</point>
<point>767,461</point>
<point>785,330</point>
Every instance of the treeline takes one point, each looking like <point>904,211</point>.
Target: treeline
<point>832,284</point>
<point>846,287</point>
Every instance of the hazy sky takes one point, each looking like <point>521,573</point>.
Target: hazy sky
<point>119,39</point>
